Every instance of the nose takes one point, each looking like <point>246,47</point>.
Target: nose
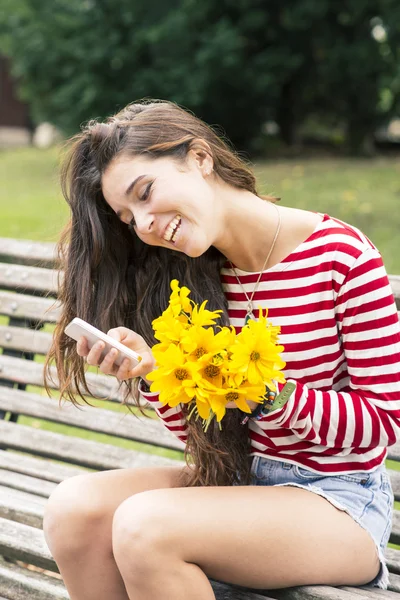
<point>144,222</point>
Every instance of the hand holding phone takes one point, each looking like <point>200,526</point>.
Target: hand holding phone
<point>78,328</point>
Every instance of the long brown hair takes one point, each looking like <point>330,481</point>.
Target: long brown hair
<point>111,278</point>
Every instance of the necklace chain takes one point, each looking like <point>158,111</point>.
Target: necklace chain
<point>250,306</point>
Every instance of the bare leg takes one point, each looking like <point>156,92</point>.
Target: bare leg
<point>78,525</point>
<point>167,542</point>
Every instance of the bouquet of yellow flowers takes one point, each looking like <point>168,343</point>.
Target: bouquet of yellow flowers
<point>209,370</point>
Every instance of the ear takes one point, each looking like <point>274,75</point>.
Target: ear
<point>200,156</point>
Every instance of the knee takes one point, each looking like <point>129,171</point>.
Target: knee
<point>140,533</point>
<point>72,514</point>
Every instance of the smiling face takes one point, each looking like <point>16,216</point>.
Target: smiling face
<point>168,204</point>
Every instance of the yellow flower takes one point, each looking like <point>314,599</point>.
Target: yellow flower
<point>201,343</point>
<point>179,300</point>
<point>201,316</point>
<point>256,355</point>
<point>208,403</point>
<point>170,328</point>
<point>240,393</point>
<point>175,378</point>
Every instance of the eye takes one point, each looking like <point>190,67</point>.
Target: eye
<point>146,193</point>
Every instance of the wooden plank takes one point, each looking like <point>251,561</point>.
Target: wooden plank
<point>371,593</point>
<point>224,591</point>
<point>24,543</point>
<point>30,372</point>
<point>394,583</point>
<point>395,481</point>
<point>395,283</point>
<point>37,467</point>
<point>20,583</point>
<point>33,307</point>
<point>393,560</point>
<point>395,534</point>
<point>27,340</point>
<point>28,252</point>
<point>314,592</point>
<point>22,507</point>
<point>127,426</point>
<point>27,279</point>
<point>25,483</point>
<point>394,452</point>
<point>76,451</point>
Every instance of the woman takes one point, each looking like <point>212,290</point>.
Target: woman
<point>155,195</point>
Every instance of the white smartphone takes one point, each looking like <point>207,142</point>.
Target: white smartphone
<point>79,328</point>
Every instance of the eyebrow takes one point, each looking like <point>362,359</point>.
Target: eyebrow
<point>129,190</point>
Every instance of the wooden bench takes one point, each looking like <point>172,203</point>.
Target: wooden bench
<point>33,460</point>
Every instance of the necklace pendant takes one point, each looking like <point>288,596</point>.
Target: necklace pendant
<point>248,318</point>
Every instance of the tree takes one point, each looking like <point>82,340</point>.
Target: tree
<point>233,62</point>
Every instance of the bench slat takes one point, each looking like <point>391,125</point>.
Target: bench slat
<point>314,592</point>
<point>21,507</point>
<point>32,307</point>
<point>27,340</point>
<point>76,451</point>
<point>395,283</point>
<point>30,372</point>
<point>23,278</point>
<point>37,467</point>
<point>393,560</point>
<point>394,583</point>
<point>28,252</point>
<point>371,593</point>
<point>23,584</point>
<point>395,534</point>
<point>395,481</point>
<point>24,543</point>
<point>128,426</point>
<point>25,483</point>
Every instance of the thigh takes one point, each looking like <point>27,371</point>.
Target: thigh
<point>83,506</point>
<point>106,490</point>
<point>260,537</point>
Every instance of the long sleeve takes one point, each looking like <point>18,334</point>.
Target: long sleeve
<point>172,418</point>
<point>365,413</point>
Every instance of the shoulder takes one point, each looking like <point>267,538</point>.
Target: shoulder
<point>342,233</point>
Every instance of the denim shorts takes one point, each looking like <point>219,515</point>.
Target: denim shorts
<point>367,497</point>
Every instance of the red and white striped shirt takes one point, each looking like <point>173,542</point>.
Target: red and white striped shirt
<point>341,336</point>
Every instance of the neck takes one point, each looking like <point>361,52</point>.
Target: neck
<point>248,230</point>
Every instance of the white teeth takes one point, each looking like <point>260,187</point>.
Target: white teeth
<point>172,228</point>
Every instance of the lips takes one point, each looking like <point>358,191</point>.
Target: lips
<point>172,229</point>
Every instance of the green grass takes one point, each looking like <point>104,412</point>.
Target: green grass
<point>31,204</point>
<point>365,193</point>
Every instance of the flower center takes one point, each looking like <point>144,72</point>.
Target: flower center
<point>255,355</point>
<point>211,371</point>
<point>200,352</point>
<point>232,396</point>
<point>181,374</point>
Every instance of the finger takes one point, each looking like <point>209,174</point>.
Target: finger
<point>128,337</point>
<point>94,356</point>
<point>123,372</point>
<point>82,347</point>
<point>115,333</point>
<point>146,365</point>
<point>107,365</point>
